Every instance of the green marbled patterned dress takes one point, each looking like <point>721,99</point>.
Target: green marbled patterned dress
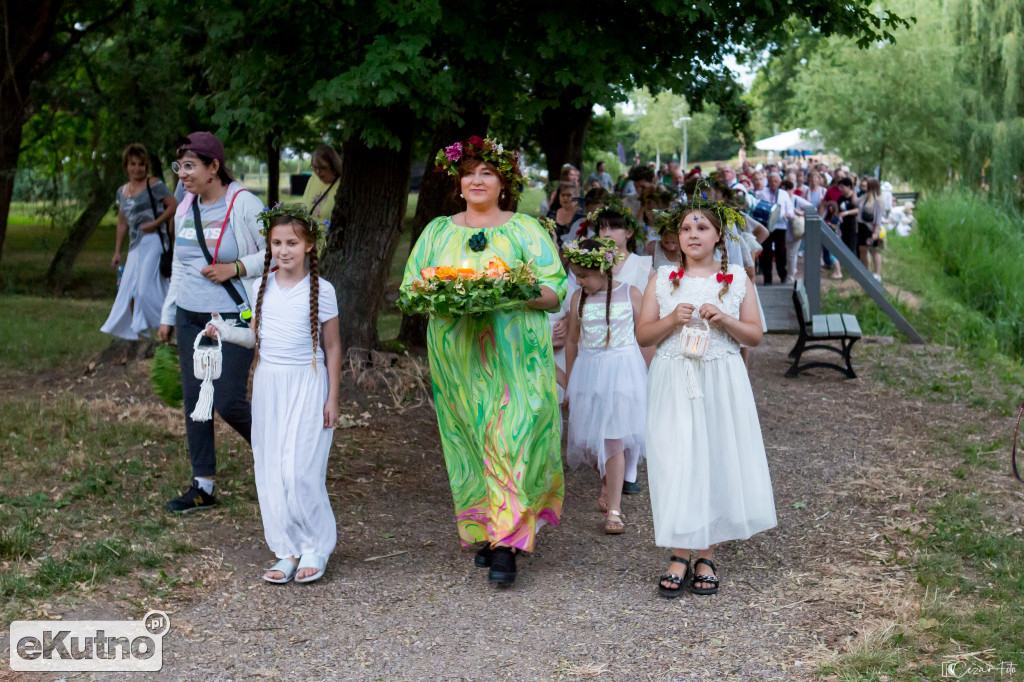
<point>494,388</point>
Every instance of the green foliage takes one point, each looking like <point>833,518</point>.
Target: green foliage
<point>979,244</point>
<point>165,373</point>
<point>887,104</point>
<point>446,294</point>
<point>659,124</point>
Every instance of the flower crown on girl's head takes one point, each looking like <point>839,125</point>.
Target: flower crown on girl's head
<point>489,150</point>
<point>699,202</point>
<point>298,212</point>
<point>614,206</point>
<point>601,258</point>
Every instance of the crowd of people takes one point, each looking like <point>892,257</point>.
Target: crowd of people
<point>859,208</point>
<point>647,309</point>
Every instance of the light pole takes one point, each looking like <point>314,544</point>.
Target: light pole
<point>684,119</point>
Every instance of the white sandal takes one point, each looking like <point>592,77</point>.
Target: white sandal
<point>285,566</point>
<point>312,561</point>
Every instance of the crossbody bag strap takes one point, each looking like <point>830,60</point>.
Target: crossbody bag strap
<point>243,308</point>
<point>323,196</point>
<point>162,229</point>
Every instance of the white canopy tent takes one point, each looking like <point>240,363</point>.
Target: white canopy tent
<point>796,140</point>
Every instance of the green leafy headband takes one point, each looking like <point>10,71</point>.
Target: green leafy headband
<point>298,212</point>
<point>668,220</point>
<point>601,258</point>
<point>489,150</point>
<point>615,207</point>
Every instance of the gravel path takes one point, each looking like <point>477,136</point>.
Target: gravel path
<point>585,604</point>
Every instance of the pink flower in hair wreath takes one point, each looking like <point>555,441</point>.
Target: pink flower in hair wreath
<point>454,152</point>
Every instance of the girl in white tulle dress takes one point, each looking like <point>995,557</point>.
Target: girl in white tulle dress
<point>706,461</point>
<point>607,374</point>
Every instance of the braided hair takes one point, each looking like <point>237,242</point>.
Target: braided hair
<point>712,218</point>
<point>593,244</point>
<point>303,231</point>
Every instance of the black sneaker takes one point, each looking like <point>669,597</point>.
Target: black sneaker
<point>484,556</point>
<point>503,567</point>
<point>630,488</point>
<point>194,498</point>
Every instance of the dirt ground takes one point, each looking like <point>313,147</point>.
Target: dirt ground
<point>401,599</point>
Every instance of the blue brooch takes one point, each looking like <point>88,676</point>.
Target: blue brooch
<point>478,242</point>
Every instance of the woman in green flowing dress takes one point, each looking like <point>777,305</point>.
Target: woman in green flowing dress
<point>494,374</point>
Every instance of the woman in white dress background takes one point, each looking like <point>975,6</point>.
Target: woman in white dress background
<point>707,466</point>
<point>145,209</point>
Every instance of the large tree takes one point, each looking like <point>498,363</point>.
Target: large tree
<point>37,36</point>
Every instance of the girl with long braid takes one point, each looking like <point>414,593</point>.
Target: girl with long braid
<point>706,460</point>
<point>294,394</point>
<point>607,373</point>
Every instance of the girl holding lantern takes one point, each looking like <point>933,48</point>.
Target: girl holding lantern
<point>706,460</point>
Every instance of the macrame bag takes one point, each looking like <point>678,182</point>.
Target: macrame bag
<point>206,364</point>
<point>694,342</point>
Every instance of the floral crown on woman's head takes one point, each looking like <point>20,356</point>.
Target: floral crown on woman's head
<point>298,212</point>
<point>489,150</point>
<point>601,258</point>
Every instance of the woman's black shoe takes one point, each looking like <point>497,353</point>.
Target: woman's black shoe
<point>484,556</point>
<point>503,566</point>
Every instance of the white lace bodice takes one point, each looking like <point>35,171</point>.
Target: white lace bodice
<point>698,291</point>
<point>594,328</point>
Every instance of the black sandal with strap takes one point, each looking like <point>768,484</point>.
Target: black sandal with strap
<point>709,579</point>
<point>677,580</point>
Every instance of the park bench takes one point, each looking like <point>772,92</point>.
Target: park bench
<point>900,197</point>
<point>816,330</point>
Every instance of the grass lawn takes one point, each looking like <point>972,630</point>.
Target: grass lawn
<point>970,554</point>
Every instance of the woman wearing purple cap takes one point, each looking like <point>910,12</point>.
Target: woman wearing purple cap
<point>218,253</point>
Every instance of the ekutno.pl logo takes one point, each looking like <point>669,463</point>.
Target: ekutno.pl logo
<point>89,645</point>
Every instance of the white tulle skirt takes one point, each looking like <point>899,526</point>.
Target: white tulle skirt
<point>142,283</point>
<point>706,463</point>
<point>290,447</point>
<point>607,407</point>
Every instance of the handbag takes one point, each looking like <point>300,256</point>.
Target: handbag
<point>694,343</point>
<point>797,224</point>
<point>207,362</point>
<point>167,255</point>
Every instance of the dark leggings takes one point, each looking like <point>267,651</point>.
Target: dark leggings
<point>776,243</point>
<point>229,392</point>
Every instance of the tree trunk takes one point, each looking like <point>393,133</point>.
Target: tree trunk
<point>28,31</point>
<point>436,199</point>
<point>100,197</point>
<point>366,225</point>
<point>10,148</point>
<point>562,133</point>
<point>273,170</point>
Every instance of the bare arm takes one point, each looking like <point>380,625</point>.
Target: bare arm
<point>548,300</point>
<point>122,232</point>
<point>637,300</point>
<point>652,328</point>
<point>332,356</point>
<point>572,335</point>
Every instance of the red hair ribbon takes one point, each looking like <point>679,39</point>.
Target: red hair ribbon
<point>724,278</point>
<point>678,274</point>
